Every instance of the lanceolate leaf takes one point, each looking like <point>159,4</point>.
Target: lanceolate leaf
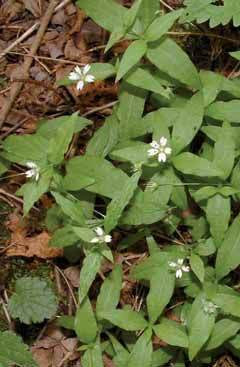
<point>228,257</point>
<point>142,351</point>
<point>85,322</point>
<point>117,205</point>
<point>125,319</point>
<point>172,333</point>
<point>72,207</point>
<point>93,356</point>
<point>161,25</point>
<point>147,11</point>
<point>191,164</point>
<point>224,154</point>
<point>222,331</point>
<point>197,266</point>
<point>224,111</point>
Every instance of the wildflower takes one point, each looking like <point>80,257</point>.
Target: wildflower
<point>81,76</point>
<point>34,170</point>
<point>160,148</point>
<point>180,268</point>
<point>101,236</point>
<point>209,307</point>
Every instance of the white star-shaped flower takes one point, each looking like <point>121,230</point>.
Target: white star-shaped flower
<point>179,267</point>
<point>101,236</point>
<point>81,76</point>
<point>34,170</point>
<point>160,149</point>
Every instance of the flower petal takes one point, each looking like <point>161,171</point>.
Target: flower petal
<point>37,176</point>
<point>180,261</point>
<point>29,173</point>
<point>95,240</point>
<point>168,150</point>
<point>154,144</point>
<point>163,141</point>
<point>73,76</point>
<point>108,238</point>
<point>179,273</point>
<point>186,268</point>
<point>78,70</point>
<point>31,164</point>
<point>152,152</point>
<point>99,231</point>
<point>172,264</point>
<point>162,157</point>
<point>86,69</point>
<point>89,78</point>
<point>80,85</point>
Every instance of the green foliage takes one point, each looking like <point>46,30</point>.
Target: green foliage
<point>33,301</point>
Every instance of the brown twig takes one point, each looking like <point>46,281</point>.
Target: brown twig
<point>16,88</point>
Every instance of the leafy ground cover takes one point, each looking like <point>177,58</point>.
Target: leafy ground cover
<point>120,188</point>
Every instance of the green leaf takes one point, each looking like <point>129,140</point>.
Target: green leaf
<point>147,11</point>
<point>13,351</point>
<point>224,111</point>
<point>64,237</point>
<point>130,16</point>
<point>205,247</point>
<point>169,58</point>
<point>108,180</point>
<point>150,266</point>
<point>132,151</point>
<point>235,54</point>
<point>58,145</point>
<point>212,85</point>
<point>197,266</point>
<point>162,356</point>
<point>188,123</point>
<point>160,292</point>
<point>142,351</point>
<point>218,213</point>
<point>107,13</point>
<point>67,322</point>
<point>91,266</point>
<point>229,303</point>
<point>125,319</point>
<point>110,291</point>
<point>93,356</point>
<point>204,193</point>
<point>71,207</point>
<point>228,256</point>
<point>131,56</point>
<point>200,326</point>
<point>161,25</point>
<point>32,301</point>
<point>85,323</point>
<point>172,333</point>
<point>224,154</point>
<point>117,205</point>
<point>222,331</point>
<point>191,164</point>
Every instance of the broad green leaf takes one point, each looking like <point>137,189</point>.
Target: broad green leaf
<point>32,301</point>
<point>169,58</point>
<point>64,237</point>
<point>150,266</point>
<point>224,154</point>
<point>71,207</point>
<point>59,143</point>
<point>115,36</point>
<point>142,78</point>
<point>228,256</point>
<point>108,180</point>
<point>205,247</point>
<point>224,111</point>
<point>118,204</point>
<point>228,303</point>
<point>107,13</point>
<point>85,322</point>
<point>132,13</point>
<point>222,331</point>
<point>197,266</point>
<point>215,133</point>
<point>200,326</point>
<point>131,56</point>
<point>160,291</point>
<point>13,351</point>
<point>161,25</point>
<point>67,322</point>
<point>84,233</point>
<point>132,151</point>
<point>218,213</point>
<point>204,193</point>
<point>142,351</point>
<point>188,123</point>
<point>90,267</point>
<point>212,85</point>
<point>125,319</point>
<point>162,356</point>
<point>110,291</point>
<point>147,12</point>
<point>172,333</point>
<point>191,164</point>
<point>105,138</point>
<point>121,354</point>
<point>93,356</point>
<point>48,128</point>
<point>152,245</point>
<point>4,165</point>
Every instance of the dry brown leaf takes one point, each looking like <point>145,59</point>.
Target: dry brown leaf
<point>73,275</point>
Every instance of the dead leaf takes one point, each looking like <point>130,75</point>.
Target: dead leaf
<point>33,7</point>
<point>73,275</point>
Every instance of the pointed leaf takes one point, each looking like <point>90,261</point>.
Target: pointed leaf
<point>142,351</point>
<point>125,319</point>
<point>161,25</point>
<point>172,333</point>
<point>85,323</point>
<point>91,266</point>
<point>197,266</point>
<point>191,164</point>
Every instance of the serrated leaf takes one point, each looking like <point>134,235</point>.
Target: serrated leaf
<point>218,213</point>
<point>125,319</point>
<point>191,164</point>
<point>132,55</point>
<point>197,266</point>
<point>14,351</point>
<point>142,351</point>
<point>93,356</point>
<point>228,256</point>
<point>161,25</point>
<point>32,301</point>
<point>110,291</point>
<point>172,333</point>
<point>222,331</point>
<point>117,205</point>
<point>85,324</point>
<point>91,266</point>
<point>169,58</point>
<point>188,123</point>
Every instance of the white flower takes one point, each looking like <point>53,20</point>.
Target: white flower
<point>34,170</point>
<point>101,236</point>
<point>160,149</point>
<point>209,307</point>
<point>81,75</point>
<point>180,268</point>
